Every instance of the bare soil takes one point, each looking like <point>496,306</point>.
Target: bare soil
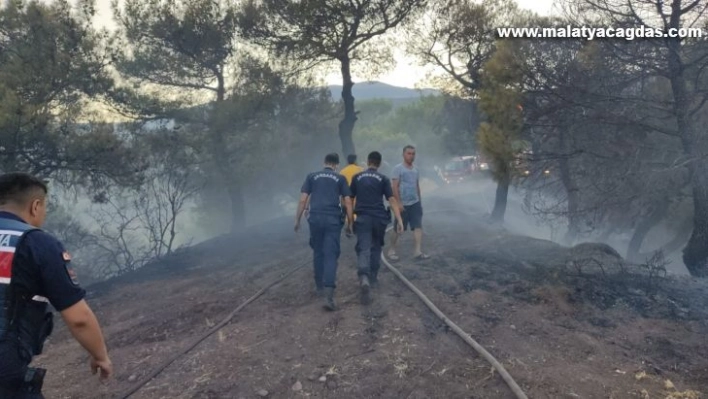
<point>561,330</point>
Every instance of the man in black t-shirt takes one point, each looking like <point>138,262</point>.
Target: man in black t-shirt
<point>369,188</point>
<point>35,272</point>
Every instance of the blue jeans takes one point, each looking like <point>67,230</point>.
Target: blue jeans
<point>13,368</point>
<point>370,233</point>
<point>325,236</point>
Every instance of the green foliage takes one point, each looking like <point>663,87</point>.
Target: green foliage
<point>500,99</point>
<point>178,44</point>
<point>373,111</point>
<point>423,123</point>
<point>326,30</point>
<point>51,66</point>
<point>458,36</point>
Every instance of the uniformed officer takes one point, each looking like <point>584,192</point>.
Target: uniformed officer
<point>35,272</point>
<point>369,188</point>
<point>326,190</point>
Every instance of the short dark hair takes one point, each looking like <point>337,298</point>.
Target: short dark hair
<point>408,147</point>
<point>19,187</point>
<point>351,158</point>
<point>374,158</point>
<point>332,159</point>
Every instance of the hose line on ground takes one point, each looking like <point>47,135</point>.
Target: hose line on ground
<point>206,335</point>
<point>505,375</point>
<point>465,337</point>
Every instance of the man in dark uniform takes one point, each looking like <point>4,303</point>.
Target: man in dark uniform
<point>369,188</point>
<point>35,272</point>
<point>326,190</point>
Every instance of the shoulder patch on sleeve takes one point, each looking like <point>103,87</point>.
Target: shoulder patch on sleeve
<point>72,275</point>
<point>66,256</point>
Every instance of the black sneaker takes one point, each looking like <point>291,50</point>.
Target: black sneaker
<point>365,289</point>
<point>329,303</point>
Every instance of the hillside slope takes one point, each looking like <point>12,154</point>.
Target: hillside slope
<point>559,333</point>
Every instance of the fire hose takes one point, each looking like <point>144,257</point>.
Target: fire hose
<point>465,337</point>
<point>210,332</point>
<point>459,331</point>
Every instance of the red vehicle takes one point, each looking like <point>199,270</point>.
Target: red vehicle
<point>458,169</point>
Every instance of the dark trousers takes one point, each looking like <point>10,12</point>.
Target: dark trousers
<point>13,369</point>
<point>370,233</point>
<point>325,236</point>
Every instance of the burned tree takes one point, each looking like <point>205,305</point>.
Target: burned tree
<point>183,45</point>
<point>680,63</point>
<point>321,31</point>
<point>458,36</point>
<point>591,118</point>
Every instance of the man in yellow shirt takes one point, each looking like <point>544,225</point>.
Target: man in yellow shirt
<point>350,171</point>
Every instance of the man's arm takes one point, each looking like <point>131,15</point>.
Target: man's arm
<point>396,207</point>
<point>349,208</point>
<point>346,194</point>
<point>417,187</point>
<point>305,192</point>
<point>67,297</point>
<point>395,183</point>
<point>304,198</point>
<point>396,190</point>
<point>353,188</point>
<point>82,323</point>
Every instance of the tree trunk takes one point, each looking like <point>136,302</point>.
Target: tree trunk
<point>221,87</point>
<point>571,189</point>
<point>679,240</point>
<point>238,209</point>
<point>644,227</point>
<point>695,255</point>
<point>346,126</point>
<point>500,200</point>
<point>234,191</point>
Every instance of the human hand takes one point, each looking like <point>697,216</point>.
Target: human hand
<point>104,365</point>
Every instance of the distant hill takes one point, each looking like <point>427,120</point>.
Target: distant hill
<point>371,90</point>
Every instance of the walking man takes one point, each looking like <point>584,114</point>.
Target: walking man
<point>351,169</point>
<point>405,181</point>
<point>348,172</point>
<point>35,272</point>
<point>369,188</point>
<point>326,190</point>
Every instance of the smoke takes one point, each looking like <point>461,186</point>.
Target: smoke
<point>477,196</point>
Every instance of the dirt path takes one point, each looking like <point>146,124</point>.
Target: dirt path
<point>554,340</point>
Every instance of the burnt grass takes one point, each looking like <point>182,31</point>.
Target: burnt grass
<point>648,295</point>
<point>565,323</point>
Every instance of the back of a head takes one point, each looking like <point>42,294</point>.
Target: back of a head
<point>374,158</point>
<point>351,159</point>
<point>19,188</point>
<point>332,159</point>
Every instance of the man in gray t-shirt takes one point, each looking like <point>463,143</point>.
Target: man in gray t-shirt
<point>405,181</point>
